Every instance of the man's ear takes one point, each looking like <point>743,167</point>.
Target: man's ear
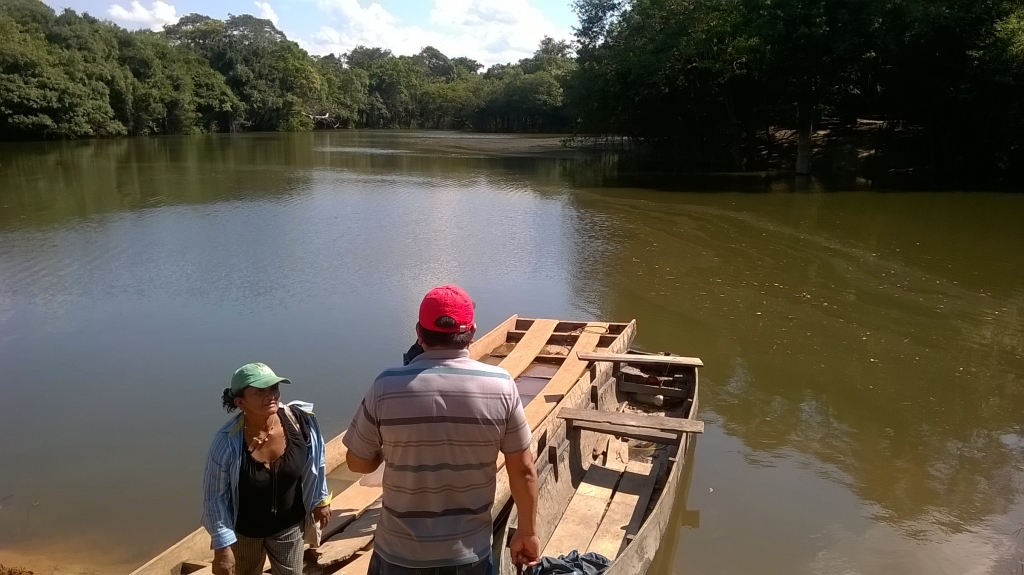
<point>419,337</point>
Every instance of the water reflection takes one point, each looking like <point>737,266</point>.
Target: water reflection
<point>859,330</point>
<point>51,183</point>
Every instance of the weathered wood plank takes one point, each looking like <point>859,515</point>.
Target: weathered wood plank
<point>652,389</point>
<point>649,435</point>
<point>566,376</point>
<point>532,343</point>
<point>356,536</point>
<point>644,359</point>
<point>540,358</point>
<point>678,425</point>
<point>492,339</point>
<point>637,520</point>
<point>195,545</point>
<point>564,339</point>
<point>634,492</point>
<point>578,524</point>
<point>349,505</point>
<point>359,566</point>
<point>617,455</point>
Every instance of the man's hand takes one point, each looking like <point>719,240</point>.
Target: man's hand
<point>522,480</point>
<point>322,515</point>
<point>525,549</point>
<point>224,561</point>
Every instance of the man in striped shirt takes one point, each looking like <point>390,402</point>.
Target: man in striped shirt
<point>438,425</point>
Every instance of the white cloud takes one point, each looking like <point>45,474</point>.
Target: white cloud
<point>491,31</point>
<point>267,12</point>
<point>159,14</point>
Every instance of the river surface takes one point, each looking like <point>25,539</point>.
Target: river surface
<point>864,388</point>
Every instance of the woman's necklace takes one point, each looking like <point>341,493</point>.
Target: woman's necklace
<point>257,441</point>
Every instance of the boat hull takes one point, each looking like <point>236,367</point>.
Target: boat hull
<point>560,477</point>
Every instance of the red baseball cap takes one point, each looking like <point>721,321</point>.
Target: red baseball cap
<point>451,301</point>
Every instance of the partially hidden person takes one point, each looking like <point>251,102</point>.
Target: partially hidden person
<point>265,484</point>
<point>438,424</point>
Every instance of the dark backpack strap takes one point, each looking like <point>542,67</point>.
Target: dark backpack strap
<point>299,419</point>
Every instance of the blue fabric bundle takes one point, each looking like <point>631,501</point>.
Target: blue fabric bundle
<point>571,564</point>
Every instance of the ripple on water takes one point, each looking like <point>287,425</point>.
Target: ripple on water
<point>354,150</point>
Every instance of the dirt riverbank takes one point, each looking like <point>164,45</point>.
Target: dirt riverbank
<point>55,560</point>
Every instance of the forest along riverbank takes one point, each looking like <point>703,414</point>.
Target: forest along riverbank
<point>888,92</point>
<point>862,349</point>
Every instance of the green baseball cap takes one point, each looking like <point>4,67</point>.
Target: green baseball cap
<point>254,375</point>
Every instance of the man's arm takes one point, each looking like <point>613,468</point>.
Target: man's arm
<point>522,480</point>
<point>363,436</point>
<point>359,465</point>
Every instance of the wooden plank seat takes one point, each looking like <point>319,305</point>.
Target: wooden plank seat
<point>582,517</point>
<point>641,359</point>
<point>582,417</point>
<point>652,389</point>
<point>626,511</point>
<point>648,435</point>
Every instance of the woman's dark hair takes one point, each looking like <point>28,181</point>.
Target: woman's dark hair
<point>229,400</point>
<point>445,340</point>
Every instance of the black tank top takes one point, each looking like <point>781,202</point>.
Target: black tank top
<point>270,500</point>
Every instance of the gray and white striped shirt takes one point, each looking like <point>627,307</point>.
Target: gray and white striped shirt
<point>439,423</point>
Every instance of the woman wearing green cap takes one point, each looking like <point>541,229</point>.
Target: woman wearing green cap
<point>265,478</point>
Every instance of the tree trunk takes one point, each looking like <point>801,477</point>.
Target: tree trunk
<point>803,145</point>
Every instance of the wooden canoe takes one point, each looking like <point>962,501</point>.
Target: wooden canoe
<point>544,355</point>
<point>610,484</point>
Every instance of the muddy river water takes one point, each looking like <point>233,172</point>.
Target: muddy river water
<point>864,350</point>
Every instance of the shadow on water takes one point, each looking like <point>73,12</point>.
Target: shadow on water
<point>682,516</point>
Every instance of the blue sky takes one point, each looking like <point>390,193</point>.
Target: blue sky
<point>492,31</point>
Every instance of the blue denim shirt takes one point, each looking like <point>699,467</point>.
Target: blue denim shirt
<point>220,480</point>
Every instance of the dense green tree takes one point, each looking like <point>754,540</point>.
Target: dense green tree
<point>30,15</point>
<point>681,58</point>
<point>464,65</point>
<point>72,75</point>
<point>113,81</point>
<point>362,57</point>
<point>715,83</point>
<point>174,90</point>
<point>394,87</point>
<point>45,91</point>
<point>436,65</point>
<point>343,95</point>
